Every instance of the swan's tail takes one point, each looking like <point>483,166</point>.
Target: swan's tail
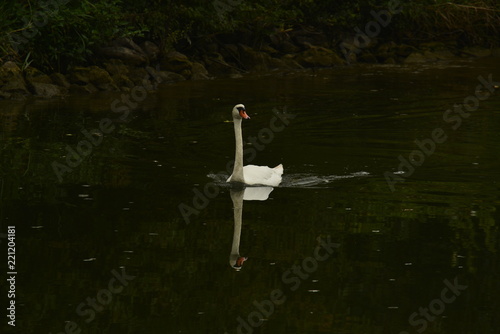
<point>279,169</point>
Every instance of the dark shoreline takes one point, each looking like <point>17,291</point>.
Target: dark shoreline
<point>124,64</point>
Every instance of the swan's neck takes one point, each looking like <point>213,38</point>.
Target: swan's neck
<point>235,249</point>
<point>238,158</point>
<point>237,198</point>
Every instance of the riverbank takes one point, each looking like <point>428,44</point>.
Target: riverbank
<point>125,64</point>
<point>72,48</point>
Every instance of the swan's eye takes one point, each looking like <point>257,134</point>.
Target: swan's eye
<point>240,109</point>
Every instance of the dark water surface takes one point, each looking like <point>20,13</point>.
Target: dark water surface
<point>102,245</point>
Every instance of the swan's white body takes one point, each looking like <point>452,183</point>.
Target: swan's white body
<point>261,175</point>
<point>250,174</point>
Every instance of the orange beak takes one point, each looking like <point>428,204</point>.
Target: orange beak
<point>243,114</point>
<point>240,260</point>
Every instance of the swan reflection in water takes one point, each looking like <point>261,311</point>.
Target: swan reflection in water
<point>238,196</point>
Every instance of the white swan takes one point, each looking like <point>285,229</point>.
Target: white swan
<point>250,174</point>
<point>235,259</point>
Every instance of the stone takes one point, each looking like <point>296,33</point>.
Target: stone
<point>254,60</point>
<point>122,81</point>
<point>101,79</point>
<point>476,52</point>
<point>177,62</point>
<point>415,58</point>
<point>60,80</point>
<point>217,65</point>
<point>199,72</point>
<point>151,50</point>
<point>404,50</point>
<point>94,75</point>
<point>276,63</point>
<point>390,61</point>
<point>153,73</point>
<point>287,47</point>
<point>127,55</point>
<point>33,75</point>
<point>309,37</point>
<point>46,90</point>
<point>429,56</point>
<point>290,62</point>
<point>230,52</point>
<point>138,75</point>
<point>12,80</point>
<point>116,66</point>
<point>319,57</point>
<point>163,76</point>
<point>128,43</point>
<point>5,95</point>
<point>82,89</point>
<point>79,75</point>
<point>368,58</point>
<point>170,77</point>
<point>269,50</point>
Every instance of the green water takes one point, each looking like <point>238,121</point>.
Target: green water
<point>102,245</point>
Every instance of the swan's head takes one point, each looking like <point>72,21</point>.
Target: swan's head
<point>239,112</point>
<point>238,264</point>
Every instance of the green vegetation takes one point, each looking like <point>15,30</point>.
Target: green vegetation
<point>55,34</point>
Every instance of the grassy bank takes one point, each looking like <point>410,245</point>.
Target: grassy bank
<point>54,34</point>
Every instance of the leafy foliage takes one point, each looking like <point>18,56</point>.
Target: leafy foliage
<point>59,33</point>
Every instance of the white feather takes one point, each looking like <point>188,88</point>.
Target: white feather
<point>262,175</point>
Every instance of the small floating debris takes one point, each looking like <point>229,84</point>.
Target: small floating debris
<point>83,195</point>
<point>313,291</point>
<point>408,264</point>
<point>153,233</point>
<point>37,226</point>
<point>90,259</point>
<point>393,307</point>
